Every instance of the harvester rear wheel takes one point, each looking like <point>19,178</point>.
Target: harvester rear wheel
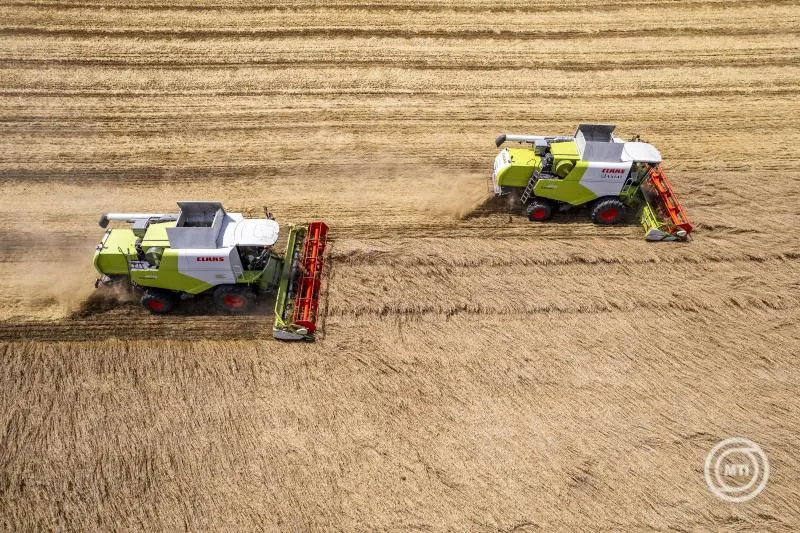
<point>608,211</point>
<point>539,211</point>
<point>234,298</point>
<point>158,302</point>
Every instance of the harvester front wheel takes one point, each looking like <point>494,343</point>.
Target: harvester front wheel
<point>539,211</point>
<point>608,211</point>
<point>234,298</point>
<point>158,302</point>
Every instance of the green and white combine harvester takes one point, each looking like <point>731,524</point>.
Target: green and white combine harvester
<point>203,249</point>
<point>594,168</point>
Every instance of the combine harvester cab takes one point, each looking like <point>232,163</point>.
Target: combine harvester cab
<point>591,168</point>
<point>204,249</point>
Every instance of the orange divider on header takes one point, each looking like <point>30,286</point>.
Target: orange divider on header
<point>668,199</point>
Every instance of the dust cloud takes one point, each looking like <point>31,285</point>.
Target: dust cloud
<point>455,197</point>
<point>51,279</point>
<point>51,290</point>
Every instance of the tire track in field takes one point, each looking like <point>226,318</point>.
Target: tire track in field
<point>374,92</point>
<point>410,6</point>
<point>133,327</point>
<point>663,20</point>
<point>310,32</point>
<point>767,60</point>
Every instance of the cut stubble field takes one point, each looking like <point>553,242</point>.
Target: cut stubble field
<point>475,372</point>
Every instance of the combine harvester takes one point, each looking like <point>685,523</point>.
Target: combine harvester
<point>203,249</point>
<point>593,168</point>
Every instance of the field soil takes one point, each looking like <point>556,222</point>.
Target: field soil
<point>474,371</point>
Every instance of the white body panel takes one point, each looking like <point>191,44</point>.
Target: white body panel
<point>251,232</point>
<point>216,267</point>
<point>502,161</point>
<point>606,179</point>
<point>640,152</point>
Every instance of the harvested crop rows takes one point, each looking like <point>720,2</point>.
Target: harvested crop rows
<point>475,371</point>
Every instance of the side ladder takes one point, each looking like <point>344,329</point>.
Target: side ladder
<point>528,192</point>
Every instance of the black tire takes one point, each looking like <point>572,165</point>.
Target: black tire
<point>608,211</point>
<point>539,210</point>
<point>158,302</point>
<point>234,298</point>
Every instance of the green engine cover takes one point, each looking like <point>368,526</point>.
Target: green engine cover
<point>523,162</point>
<point>520,164</point>
<point>110,257</point>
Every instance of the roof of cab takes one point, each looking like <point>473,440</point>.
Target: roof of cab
<point>640,152</point>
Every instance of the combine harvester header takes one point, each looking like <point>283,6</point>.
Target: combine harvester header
<point>594,168</point>
<point>297,300</point>
<point>204,249</point>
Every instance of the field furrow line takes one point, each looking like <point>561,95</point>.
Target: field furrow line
<point>372,32</point>
<point>411,6</point>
